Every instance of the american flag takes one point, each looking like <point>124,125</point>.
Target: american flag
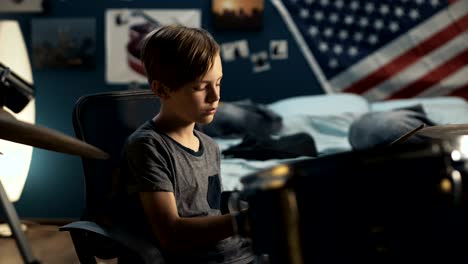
<point>384,49</point>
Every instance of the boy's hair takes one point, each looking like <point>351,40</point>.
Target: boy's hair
<point>175,55</point>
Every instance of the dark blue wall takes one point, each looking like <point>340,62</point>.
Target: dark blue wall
<point>55,185</point>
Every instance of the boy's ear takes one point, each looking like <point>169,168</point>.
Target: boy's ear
<point>159,89</point>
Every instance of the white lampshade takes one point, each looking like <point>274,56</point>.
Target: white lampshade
<point>16,158</point>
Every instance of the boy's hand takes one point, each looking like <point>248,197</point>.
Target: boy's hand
<point>241,223</point>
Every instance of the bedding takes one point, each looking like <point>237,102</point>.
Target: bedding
<point>235,119</point>
<point>328,119</point>
<point>265,147</point>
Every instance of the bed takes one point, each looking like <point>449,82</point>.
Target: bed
<point>327,118</point>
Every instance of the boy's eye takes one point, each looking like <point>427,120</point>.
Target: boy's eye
<point>204,86</point>
<point>199,88</point>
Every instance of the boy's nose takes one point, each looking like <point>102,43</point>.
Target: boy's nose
<point>213,95</point>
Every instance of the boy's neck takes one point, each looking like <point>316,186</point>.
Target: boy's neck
<point>181,132</point>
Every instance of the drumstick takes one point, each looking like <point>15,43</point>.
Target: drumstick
<point>407,135</point>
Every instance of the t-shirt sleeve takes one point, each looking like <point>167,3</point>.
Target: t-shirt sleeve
<point>148,165</point>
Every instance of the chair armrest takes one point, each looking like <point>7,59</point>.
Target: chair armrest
<point>147,251</point>
<point>86,226</point>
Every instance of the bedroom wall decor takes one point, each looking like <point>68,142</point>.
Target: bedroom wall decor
<point>238,14</point>
<point>21,6</point>
<point>383,50</point>
<point>231,51</point>
<point>278,49</point>
<point>63,43</point>
<point>260,61</point>
<point>124,30</point>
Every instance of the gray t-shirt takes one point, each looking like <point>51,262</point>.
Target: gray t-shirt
<point>155,162</point>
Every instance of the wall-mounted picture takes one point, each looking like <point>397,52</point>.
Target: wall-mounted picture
<point>278,49</point>
<point>260,61</point>
<point>230,51</point>
<point>63,43</point>
<point>21,6</point>
<point>238,15</point>
<point>125,28</point>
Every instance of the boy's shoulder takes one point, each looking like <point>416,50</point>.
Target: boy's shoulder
<point>143,134</point>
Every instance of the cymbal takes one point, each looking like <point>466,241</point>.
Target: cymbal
<point>17,131</point>
<point>444,131</point>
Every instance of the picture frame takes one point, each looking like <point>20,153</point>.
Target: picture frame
<point>64,43</point>
<point>126,27</point>
<point>238,15</point>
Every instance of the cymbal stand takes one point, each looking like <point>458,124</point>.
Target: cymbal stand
<point>23,93</point>
<point>13,220</point>
<point>15,226</point>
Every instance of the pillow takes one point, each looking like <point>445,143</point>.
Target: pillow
<point>376,129</point>
<point>326,104</point>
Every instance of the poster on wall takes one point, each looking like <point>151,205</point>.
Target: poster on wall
<point>63,43</point>
<point>125,28</point>
<point>239,15</point>
<point>21,6</point>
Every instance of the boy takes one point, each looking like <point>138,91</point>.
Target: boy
<point>171,170</point>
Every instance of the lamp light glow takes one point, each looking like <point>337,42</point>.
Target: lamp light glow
<point>16,158</point>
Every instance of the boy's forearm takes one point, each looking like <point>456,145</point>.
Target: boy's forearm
<point>190,232</point>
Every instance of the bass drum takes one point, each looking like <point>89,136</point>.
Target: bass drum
<point>395,204</point>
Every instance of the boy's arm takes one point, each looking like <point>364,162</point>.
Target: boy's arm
<point>176,233</point>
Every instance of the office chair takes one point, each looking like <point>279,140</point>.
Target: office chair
<point>105,120</point>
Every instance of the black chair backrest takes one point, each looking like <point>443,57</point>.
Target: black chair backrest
<point>105,120</point>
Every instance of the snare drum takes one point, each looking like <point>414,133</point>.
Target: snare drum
<point>395,204</point>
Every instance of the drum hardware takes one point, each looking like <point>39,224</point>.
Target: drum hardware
<point>15,94</point>
<point>17,131</point>
<point>270,188</point>
<point>407,135</point>
<point>42,137</point>
<point>394,204</point>
<point>439,131</point>
<point>289,206</point>
<point>444,131</point>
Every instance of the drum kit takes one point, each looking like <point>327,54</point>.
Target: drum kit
<point>404,202</point>
<point>21,132</point>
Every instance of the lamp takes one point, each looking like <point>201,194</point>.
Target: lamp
<point>18,100</point>
<point>17,113</point>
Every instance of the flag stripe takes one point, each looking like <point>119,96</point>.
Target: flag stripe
<point>433,77</point>
<point>462,91</point>
<point>409,57</point>
<point>418,69</point>
<point>447,85</point>
<point>390,51</point>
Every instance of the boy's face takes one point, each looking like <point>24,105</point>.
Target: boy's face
<point>197,101</point>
